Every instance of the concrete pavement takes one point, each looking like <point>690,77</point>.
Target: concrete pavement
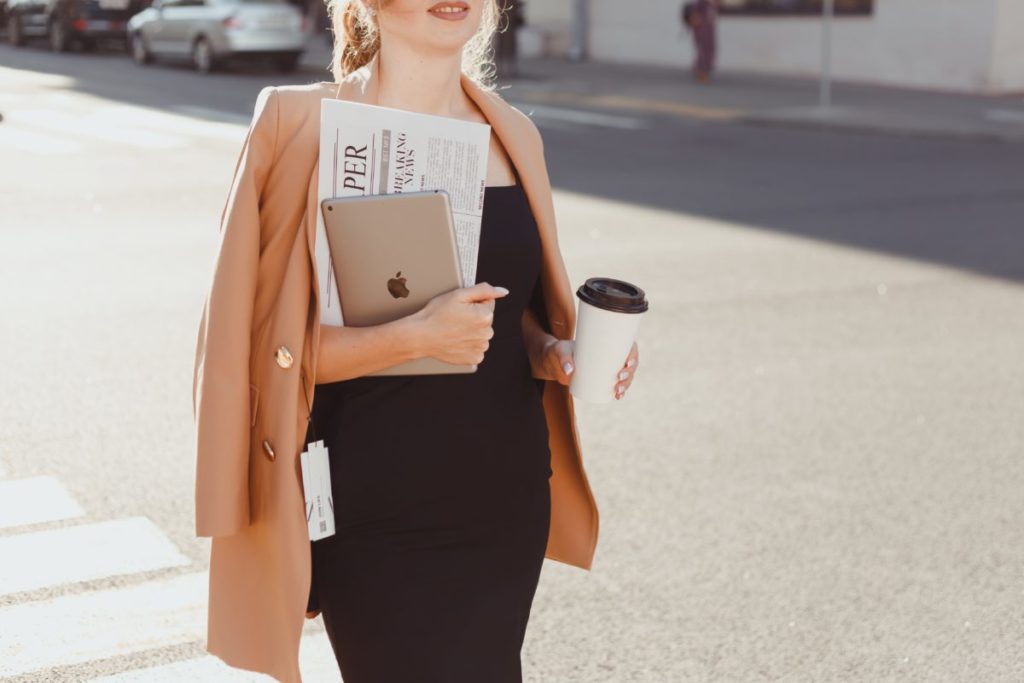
<point>816,475</point>
<point>764,100</point>
<point>751,98</point>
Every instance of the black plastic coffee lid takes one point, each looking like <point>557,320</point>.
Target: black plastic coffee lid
<point>612,295</point>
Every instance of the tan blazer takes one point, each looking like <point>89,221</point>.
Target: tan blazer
<point>251,405</point>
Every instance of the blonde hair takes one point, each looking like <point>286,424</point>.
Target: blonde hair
<point>357,40</point>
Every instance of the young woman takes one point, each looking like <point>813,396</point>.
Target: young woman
<point>449,490</point>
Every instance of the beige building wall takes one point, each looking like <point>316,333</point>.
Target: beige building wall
<point>547,28</point>
<point>1008,50</point>
<point>944,44</point>
<point>969,45</point>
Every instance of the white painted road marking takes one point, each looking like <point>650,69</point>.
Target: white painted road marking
<point>193,670</point>
<point>96,125</point>
<point>83,553</point>
<point>34,500</point>
<point>45,129</point>
<point>316,661</point>
<point>1006,115</point>
<point>73,629</point>
<point>589,118</point>
<point>12,138</point>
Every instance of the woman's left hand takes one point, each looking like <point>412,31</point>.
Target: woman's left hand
<point>558,364</point>
<point>627,371</point>
<point>557,360</point>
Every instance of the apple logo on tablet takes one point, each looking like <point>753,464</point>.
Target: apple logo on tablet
<point>396,286</point>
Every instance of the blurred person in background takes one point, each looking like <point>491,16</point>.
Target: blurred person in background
<point>701,16</point>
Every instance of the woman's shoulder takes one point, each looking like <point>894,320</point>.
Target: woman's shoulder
<point>290,113</point>
<point>522,123</point>
<point>306,96</point>
<point>293,107</point>
<point>291,98</point>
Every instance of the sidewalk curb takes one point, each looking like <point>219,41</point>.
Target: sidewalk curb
<point>624,103</point>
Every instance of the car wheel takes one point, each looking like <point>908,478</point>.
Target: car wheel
<point>58,34</point>
<point>287,62</point>
<point>202,56</point>
<point>140,51</point>
<point>14,34</point>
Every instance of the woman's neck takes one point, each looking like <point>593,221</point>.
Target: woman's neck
<point>416,82</point>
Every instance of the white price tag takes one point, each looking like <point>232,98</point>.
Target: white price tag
<point>316,486</point>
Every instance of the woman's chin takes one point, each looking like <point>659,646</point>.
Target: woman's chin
<point>445,45</point>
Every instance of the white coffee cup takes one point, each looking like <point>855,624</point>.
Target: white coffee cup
<point>607,323</point>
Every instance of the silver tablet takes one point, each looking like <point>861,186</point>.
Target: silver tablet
<point>391,254</point>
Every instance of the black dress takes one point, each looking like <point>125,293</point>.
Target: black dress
<point>441,496</point>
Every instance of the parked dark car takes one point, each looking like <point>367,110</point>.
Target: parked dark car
<point>65,23</point>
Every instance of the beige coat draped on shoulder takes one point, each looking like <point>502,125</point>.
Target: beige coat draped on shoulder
<point>251,412</point>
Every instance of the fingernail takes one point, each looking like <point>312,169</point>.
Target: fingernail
<point>624,374</point>
<point>631,362</point>
<point>567,367</point>
<point>502,290</point>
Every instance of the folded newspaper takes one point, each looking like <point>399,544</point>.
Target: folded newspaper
<point>366,150</point>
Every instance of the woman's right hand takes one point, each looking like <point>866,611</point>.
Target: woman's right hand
<point>456,327</point>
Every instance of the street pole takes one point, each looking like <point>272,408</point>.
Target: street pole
<point>827,15</point>
<point>578,47</point>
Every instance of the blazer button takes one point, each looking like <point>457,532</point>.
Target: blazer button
<point>268,449</point>
<point>283,357</point>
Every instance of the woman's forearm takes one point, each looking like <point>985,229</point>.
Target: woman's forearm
<point>536,339</point>
<point>349,352</point>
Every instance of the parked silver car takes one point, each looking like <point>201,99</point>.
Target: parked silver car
<point>211,32</point>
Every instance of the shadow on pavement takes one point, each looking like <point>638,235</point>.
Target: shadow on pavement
<point>957,203</point>
<point>953,202</point>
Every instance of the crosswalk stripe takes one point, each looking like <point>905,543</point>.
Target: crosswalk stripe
<point>37,143</point>
<point>35,500</point>
<point>83,553</point>
<point>193,670</point>
<point>94,125</point>
<point>96,625</point>
<point>181,120</point>
<point>121,124</point>
<point>586,117</point>
<point>316,661</point>
<point>41,129</point>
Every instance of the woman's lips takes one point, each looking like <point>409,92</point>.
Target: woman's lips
<point>450,11</point>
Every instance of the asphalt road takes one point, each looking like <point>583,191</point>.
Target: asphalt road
<point>816,476</point>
